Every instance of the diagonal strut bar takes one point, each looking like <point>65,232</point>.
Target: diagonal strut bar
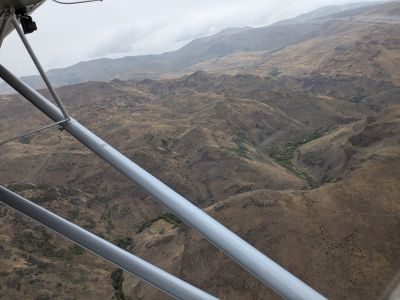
<point>28,47</point>
<point>134,265</point>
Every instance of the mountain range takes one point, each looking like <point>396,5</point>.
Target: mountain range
<point>288,135</point>
<point>261,51</point>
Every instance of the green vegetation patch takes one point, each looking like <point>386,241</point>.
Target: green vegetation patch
<point>76,250</point>
<point>73,214</point>
<point>283,155</point>
<point>117,281</point>
<point>168,217</point>
<point>25,140</point>
<point>46,195</point>
<point>274,72</point>
<point>357,99</point>
<point>117,276</point>
<point>124,243</point>
<point>241,149</point>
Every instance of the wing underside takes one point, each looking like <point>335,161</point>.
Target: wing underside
<point>7,5</point>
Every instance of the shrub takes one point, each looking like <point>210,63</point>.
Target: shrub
<point>283,155</point>
<point>168,217</point>
<point>124,243</point>
<point>274,72</point>
<point>76,250</point>
<point>25,140</point>
<point>117,281</point>
<point>241,149</point>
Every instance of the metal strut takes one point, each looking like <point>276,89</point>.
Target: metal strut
<point>39,66</point>
<point>262,267</point>
<point>3,142</point>
<point>153,275</point>
<point>4,26</point>
<point>6,20</point>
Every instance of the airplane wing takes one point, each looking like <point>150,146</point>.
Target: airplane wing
<point>8,5</point>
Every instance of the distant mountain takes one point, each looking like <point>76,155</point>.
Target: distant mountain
<point>358,42</point>
<point>326,11</point>
<point>208,50</point>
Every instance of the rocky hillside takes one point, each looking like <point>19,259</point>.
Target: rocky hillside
<point>341,237</point>
<point>304,168</point>
<point>300,156</point>
<point>37,264</point>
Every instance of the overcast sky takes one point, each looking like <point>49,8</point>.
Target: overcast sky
<point>115,28</point>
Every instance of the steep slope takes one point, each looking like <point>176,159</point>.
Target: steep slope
<point>342,238</point>
<point>210,138</point>
<point>169,128</point>
<point>335,155</point>
<point>37,264</point>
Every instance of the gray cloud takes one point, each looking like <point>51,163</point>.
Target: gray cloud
<point>116,28</point>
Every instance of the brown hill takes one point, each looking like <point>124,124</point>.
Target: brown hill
<point>303,163</point>
<point>36,264</point>
<point>227,143</point>
<point>342,238</point>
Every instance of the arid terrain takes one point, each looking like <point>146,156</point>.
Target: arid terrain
<point>294,145</point>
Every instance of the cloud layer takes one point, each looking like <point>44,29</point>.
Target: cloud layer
<point>114,28</point>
